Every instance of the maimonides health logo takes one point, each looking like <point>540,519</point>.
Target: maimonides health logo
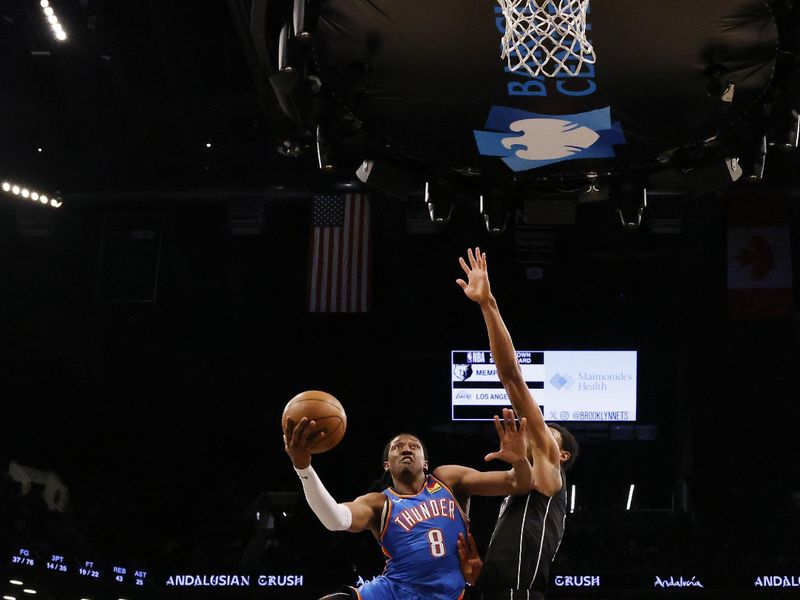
<point>561,382</point>
<point>526,140</point>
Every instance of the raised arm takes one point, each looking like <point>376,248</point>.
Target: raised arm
<point>361,514</point>
<point>465,481</point>
<point>544,447</point>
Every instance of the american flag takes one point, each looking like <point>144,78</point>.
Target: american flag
<point>340,254</point>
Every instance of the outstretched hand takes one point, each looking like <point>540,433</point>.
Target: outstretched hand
<point>299,438</point>
<point>513,438</point>
<point>476,287</point>
<point>471,563</point>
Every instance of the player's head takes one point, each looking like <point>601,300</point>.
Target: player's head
<point>405,456</point>
<point>567,443</point>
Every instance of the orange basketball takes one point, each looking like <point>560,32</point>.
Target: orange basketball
<point>324,410</point>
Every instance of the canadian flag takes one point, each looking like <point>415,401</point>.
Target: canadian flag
<point>759,263</point>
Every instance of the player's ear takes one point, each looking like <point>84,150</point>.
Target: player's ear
<point>386,465</point>
<point>565,455</point>
<point>425,466</point>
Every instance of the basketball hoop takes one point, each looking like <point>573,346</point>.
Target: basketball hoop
<point>546,37</point>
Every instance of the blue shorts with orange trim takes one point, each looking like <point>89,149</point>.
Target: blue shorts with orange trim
<point>382,588</point>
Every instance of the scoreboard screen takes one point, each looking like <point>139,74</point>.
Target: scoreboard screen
<point>567,385</point>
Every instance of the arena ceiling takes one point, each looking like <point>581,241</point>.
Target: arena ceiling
<point>154,95</point>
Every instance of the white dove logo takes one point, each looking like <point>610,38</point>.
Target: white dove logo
<point>549,139</point>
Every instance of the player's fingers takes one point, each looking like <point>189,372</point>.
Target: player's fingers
<point>463,264</point>
<point>471,258</point>
<point>491,456</point>
<point>462,551</point>
<point>523,424</point>
<point>303,429</point>
<point>483,261</point>
<point>290,425</point>
<point>315,436</point>
<point>478,256</point>
<point>473,548</point>
<point>498,427</point>
<point>510,421</point>
<point>461,283</point>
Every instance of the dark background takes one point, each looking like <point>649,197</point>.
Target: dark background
<point>162,417</point>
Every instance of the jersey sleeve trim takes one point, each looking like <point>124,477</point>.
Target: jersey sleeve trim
<point>387,517</point>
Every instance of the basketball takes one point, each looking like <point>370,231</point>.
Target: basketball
<point>322,408</point>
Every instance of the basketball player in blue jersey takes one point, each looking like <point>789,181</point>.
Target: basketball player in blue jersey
<point>529,527</point>
<point>418,519</point>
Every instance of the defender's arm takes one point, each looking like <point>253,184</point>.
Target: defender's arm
<point>547,477</point>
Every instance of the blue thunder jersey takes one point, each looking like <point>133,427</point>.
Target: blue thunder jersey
<point>419,540</point>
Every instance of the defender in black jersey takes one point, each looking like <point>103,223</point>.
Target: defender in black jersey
<point>529,528</point>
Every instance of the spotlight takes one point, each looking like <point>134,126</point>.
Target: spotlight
<point>494,212</point>
<point>324,153</point>
<point>439,200</point>
<point>792,140</point>
<point>51,17</point>
<point>9,598</point>
<point>572,499</point>
<point>631,202</point>
<point>760,160</point>
<point>712,176</point>
<point>630,497</point>
<point>391,178</point>
<point>14,582</point>
<point>29,591</point>
<point>33,195</point>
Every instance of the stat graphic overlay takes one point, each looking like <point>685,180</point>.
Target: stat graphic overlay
<point>78,567</point>
<point>573,385</point>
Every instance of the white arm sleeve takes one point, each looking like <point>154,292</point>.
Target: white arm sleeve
<point>335,517</point>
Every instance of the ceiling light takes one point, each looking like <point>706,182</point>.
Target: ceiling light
<point>44,3</point>
<point>6,186</point>
<point>14,582</point>
<point>48,10</point>
<point>29,591</point>
<point>25,192</point>
<point>52,19</point>
<point>9,598</point>
<point>15,190</point>
<point>34,195</point>
<point>55,203</point>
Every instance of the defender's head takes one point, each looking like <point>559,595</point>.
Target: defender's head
<point>567,444</point>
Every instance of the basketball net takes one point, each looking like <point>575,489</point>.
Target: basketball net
<point>546,37</point>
